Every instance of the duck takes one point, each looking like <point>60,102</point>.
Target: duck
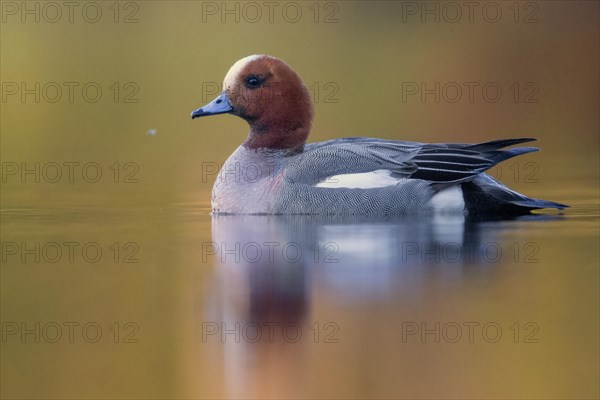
<point>275,170</point>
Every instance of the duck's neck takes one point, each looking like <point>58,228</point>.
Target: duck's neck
<point>277,140</point>
<point>288,133</point>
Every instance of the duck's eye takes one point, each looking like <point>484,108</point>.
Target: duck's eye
<point>253,81</point>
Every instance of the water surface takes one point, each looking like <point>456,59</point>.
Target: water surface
<point>194,305</point>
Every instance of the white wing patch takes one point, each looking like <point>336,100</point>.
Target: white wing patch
<point>366,180</point>
<point>450,200</point>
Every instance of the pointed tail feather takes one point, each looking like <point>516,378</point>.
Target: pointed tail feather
<point>498,144</point>
<point>484,194</point>
<point>502,155</point>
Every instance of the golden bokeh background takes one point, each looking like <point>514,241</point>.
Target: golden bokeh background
<point>360,61</point>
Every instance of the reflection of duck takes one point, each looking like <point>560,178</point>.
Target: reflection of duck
<point>308,271</point>
<point>268,266</point>
<point>267,263</point>
<point>275,172</point>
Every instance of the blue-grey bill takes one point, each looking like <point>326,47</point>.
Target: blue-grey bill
<point>220,105</point>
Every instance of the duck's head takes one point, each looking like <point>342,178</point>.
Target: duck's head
<point>270,96</point>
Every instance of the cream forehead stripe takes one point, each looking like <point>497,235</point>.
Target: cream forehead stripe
<point>235,69</point>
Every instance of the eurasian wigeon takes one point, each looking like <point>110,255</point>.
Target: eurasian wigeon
<point>276,172</point>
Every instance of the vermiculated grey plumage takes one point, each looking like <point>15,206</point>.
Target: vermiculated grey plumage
<point>286,182</point>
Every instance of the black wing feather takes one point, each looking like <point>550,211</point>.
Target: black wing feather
<point>456,162</point>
